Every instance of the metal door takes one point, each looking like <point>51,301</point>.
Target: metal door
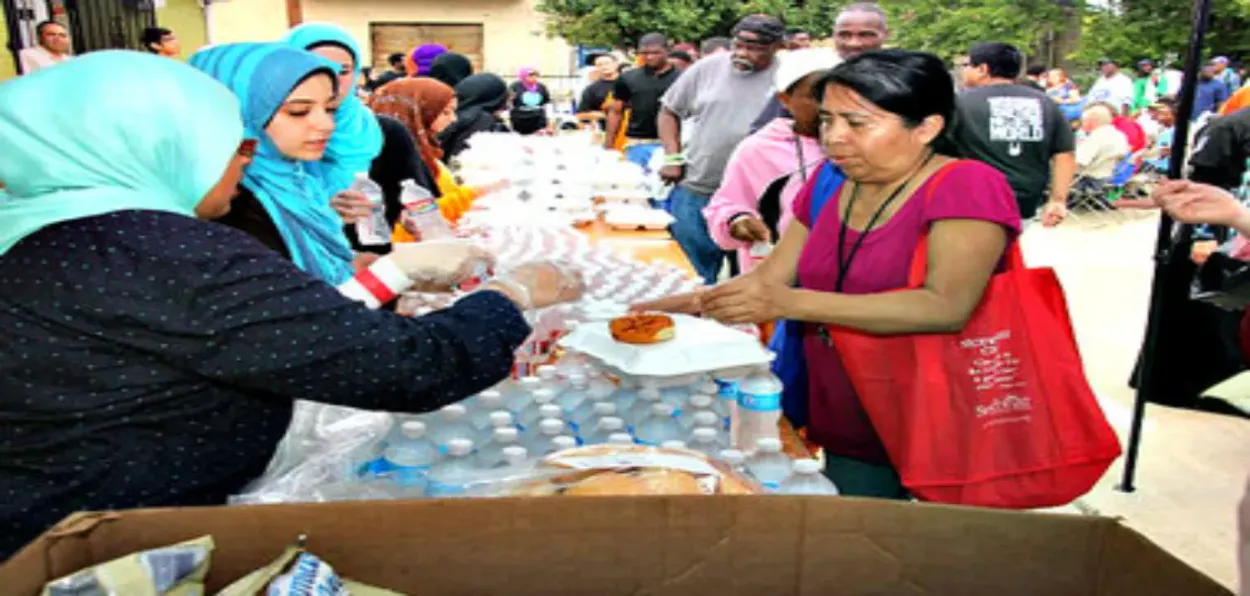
<point>21,19</point>
<point>108,24</point>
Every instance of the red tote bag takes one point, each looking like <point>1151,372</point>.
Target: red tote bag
<point>997,415</point>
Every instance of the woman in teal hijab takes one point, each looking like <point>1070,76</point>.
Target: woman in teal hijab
<point>357,137</point>
<point>297,219</point>
<point>150,359</point>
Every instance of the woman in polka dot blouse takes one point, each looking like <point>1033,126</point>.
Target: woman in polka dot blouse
<point>152,359</point>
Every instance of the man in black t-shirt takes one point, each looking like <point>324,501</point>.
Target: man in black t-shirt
<point>639,90</point>
<point>1016,129</point>
<point>1221,151</point>
<point>592,106</point>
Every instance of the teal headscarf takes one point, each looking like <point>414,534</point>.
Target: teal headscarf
<point>110,131</point>
<point>357,136</point>
<point>262,75</point>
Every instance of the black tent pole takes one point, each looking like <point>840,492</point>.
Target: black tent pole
<point>1163,243</point>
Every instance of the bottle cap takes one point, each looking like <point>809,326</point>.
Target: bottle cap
<point>459,447</point>
<point>620,439</point>
<point>611,424</point>
<point>563,442</point>
<point>605,408</point>
<point>806,466</point>
<point>515,455</point>
<point>551,426</point>
<point>507,434</point>
<point>662,409</point>
<point>704,435</point>
<point>544,396</point>
<point>530,383</point>
<point>706,419</point>
<point>500,418</point>
<point>673,444</point>
<point>601,390</point>
<point>769,445</point>
<point>490,396</point>
<point>732,457</point>
<point>578,378</point>
<point>709,387</point>
<point>413,430</point>
<point>550,411</point>
<point>700,401</point>
<point>547,372</point>
<point>649,393</point>
<point>454,411</point>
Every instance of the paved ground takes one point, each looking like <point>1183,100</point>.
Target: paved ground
<point>1193,466</point>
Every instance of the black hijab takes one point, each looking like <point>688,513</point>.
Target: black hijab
<point>451,68</point>
<point>479,97</point>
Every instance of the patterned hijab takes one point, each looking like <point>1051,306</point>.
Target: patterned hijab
<point>262,75</point>
<point>176,127</point>
<point>357,139</point>
<point>417,103</point>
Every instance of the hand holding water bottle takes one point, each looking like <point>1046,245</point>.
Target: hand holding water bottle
<point>440,265</point>
<point>352,206</point>
<point>539,285</point>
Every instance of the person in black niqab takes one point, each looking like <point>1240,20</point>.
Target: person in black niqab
<point>451,68</point>
<point>481,97</point>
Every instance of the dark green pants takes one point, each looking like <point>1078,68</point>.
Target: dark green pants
<point>855,478</point>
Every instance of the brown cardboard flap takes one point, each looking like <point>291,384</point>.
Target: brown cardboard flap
<point>662,545</point>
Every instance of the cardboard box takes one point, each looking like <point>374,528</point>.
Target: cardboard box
<point>663,545</point>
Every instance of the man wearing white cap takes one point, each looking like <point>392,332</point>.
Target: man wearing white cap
<point>753,205</point>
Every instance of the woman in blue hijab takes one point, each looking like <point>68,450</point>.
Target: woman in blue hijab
<point>151,359</point>
<point>286,96</point>
<point>357,137</point>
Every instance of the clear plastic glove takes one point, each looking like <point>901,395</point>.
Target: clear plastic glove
<point>438,265</point>
<point>352,206</point>
<point>539,285</point>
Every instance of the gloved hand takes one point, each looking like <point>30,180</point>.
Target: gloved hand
<point>442,264</point>
<point>539,285</point>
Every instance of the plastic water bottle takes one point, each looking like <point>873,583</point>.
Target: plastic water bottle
<point>603,430</point>
<point>372,230</point>
<point>482,407</point>
<point>560,443</point>
<point>727,384</point>
<point>673,444</point>
<point>699,403</point>
<point>453,423</point>
<point>585,416</point>
<point>409,457</point>
<point>451,476</point>
<point>706,441</point>
<point>574,394</point>
<point>490,455</point>
<point>620,439</point>
<point>421,213</point>
<point>539,437</point>
<point>659,427</point>
<point>642,408</point>
<point>806,479</point>
<point>550,377</point>
<point>769,465</point>
<point>519,394</point>
<point>502,419</point>
<point>552,411</point>
<point>759,408</point>
<point>532,412</point>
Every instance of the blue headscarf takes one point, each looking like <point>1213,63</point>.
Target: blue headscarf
<point>110,131</point>
<point>357,137</point>
<point>262,75</point>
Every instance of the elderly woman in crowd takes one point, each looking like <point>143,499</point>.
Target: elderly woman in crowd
<point>847,264</point>
<point>151,359</point>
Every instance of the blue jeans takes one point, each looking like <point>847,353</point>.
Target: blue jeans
<point>690,232</point>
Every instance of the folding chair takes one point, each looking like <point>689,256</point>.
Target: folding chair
<point>1093,197</point>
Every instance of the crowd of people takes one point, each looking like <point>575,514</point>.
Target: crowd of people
<point>163,311</point>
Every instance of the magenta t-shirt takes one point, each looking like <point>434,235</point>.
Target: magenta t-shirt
<point>967,190</point>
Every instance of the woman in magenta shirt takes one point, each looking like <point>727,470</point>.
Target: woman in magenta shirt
<point>883,118</point>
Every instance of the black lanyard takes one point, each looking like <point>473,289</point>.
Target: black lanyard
<point>844,264</point>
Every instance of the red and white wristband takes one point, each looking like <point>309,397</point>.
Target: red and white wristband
<point>382,282</point>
